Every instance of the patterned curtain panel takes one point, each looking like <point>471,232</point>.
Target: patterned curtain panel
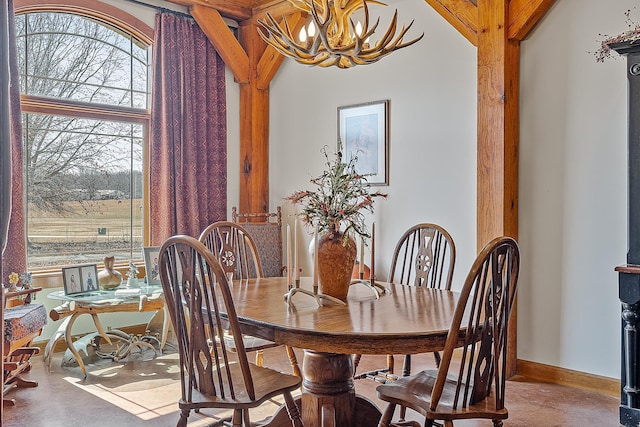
<point>14,258</point>
<point>188,156</point>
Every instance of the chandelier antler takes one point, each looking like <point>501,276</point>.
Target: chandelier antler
<point>339,41</point>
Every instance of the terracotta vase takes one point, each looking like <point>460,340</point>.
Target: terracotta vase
<point>335,264</point>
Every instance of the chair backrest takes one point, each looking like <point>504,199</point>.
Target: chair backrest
<point>424,256</point>
<point>234,247</point>
<point>266,231</point>
<point>487,298</point>
<point>196,292</point>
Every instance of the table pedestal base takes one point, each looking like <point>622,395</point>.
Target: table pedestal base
<point>328,395</point>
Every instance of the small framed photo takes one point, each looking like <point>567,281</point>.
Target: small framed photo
<point>363,130</point>
<point>89,275</point>
<point>80,278</point>
<point>150,254</point>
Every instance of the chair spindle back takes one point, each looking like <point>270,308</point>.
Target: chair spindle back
<point>234,248</point>
<point>424,256</point>
<point>487,298</point>
<point>197,296</point>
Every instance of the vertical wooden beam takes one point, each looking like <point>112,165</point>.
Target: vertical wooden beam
<point>254,128</point>
<point>498,74</point>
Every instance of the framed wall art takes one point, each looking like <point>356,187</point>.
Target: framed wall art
<point>363,130</point>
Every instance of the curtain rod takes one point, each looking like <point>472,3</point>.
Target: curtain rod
<point>160,8</point>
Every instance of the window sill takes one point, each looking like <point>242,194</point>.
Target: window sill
<point>48,278</point>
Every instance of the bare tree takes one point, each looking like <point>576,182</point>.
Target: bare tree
<point>65,56</point>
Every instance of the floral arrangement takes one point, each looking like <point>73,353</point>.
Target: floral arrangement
<point>340,199</point>
<point>632,35</point>
<point>25,278</point>
<point>13,280</point>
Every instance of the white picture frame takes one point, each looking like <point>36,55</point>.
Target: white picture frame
<point>151,254</point>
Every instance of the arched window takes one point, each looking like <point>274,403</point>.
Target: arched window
<point>85,84</point>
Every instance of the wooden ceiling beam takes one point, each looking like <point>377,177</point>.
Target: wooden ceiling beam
<point>237,10</point>
<point>524,15</point>
<point>219,33</point>
<point>276,8</point>
<point>461,14</point>
<point>271,59</point>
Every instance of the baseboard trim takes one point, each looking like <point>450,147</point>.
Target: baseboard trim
<point>568,377</point>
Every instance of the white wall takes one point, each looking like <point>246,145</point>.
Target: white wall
<point>432,131</point>
<point>573,189</point>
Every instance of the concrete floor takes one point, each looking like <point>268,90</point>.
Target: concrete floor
<point>144,392</point>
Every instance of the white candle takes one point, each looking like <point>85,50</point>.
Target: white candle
<point>361,260</point>
<point>373,250</point>
<point>296,265</point>
<point>315,257</point>
<point>289,266</point>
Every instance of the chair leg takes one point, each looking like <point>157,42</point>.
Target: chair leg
<point>406,371</point>
<point>385,420</point>
<point>292,410</point>
<point>184,414</point>
<point>259,358</point>
<point>356,362</point>
<point>237,418</point>
<point>293,360</point>
<point>437,357</point>
<point>390,363</point>
<point>497,423</point>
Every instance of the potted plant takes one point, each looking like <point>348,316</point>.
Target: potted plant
<point>336,209</point>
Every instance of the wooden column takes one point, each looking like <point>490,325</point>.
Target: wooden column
<point>496,28</point>
<point>498,80</point>
<point>254,129</point>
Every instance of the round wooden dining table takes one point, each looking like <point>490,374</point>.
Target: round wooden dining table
<point>403,320</point>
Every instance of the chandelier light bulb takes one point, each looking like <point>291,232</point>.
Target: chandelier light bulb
<point>359,28</point>
<point>331,38</point>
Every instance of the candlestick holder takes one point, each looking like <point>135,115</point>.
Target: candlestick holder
<point>374,287</point>
<point>318,297</point>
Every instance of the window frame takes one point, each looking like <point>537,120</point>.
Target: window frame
<point>118,18</point>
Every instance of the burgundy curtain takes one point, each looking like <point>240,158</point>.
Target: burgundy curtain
<point>14,258</point>
<point>188,156</point>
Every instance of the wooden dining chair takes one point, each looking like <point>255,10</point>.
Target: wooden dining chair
<point>197,296</point>
<point>266,230</point>
<point>471,383</point>
<point>425,255</point>
<point>236,250</point>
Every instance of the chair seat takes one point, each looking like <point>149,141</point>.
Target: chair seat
<point>267,382</point>
<point>415,392</point>
<point>23,320</point>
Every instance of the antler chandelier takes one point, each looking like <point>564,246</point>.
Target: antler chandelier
<point>338,41</point>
